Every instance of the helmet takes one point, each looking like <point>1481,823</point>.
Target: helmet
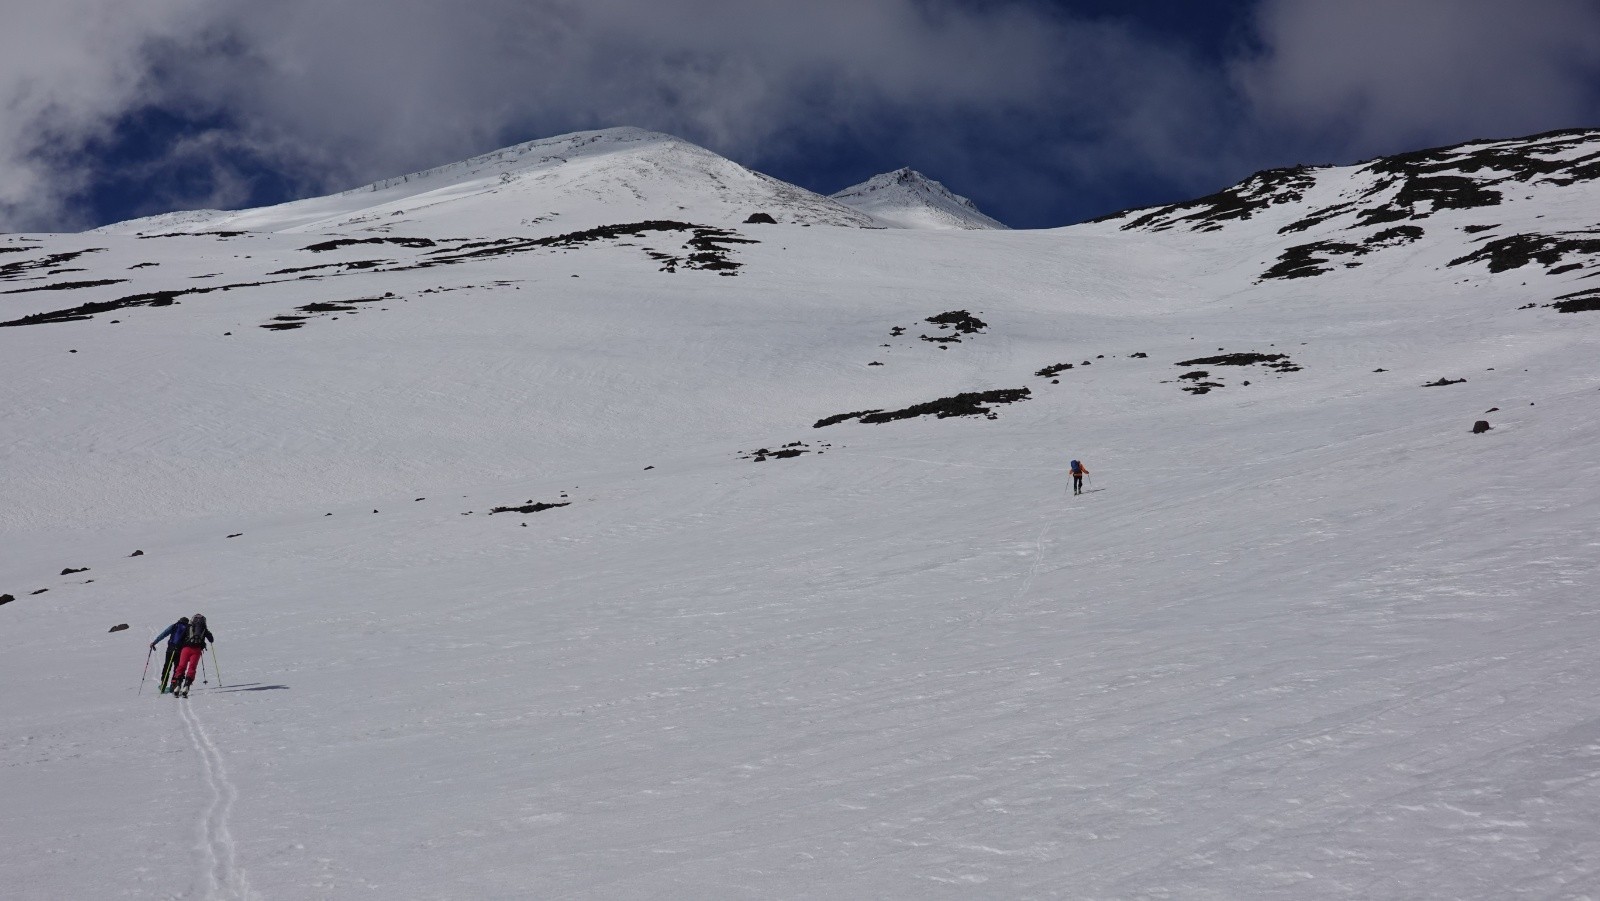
<point>183,619</point>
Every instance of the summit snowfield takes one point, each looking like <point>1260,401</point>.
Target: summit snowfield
<point>566,542</point>
<point>548,186</point>
<point>906,198</point>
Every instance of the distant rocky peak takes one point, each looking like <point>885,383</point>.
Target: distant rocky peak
<point>905,198</point>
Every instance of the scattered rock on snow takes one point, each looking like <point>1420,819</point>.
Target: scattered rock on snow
<point>117,628</point>
<point>527,508</point>
<point>1480,427</point>
<point>969,403</point>
<point>69,570</point>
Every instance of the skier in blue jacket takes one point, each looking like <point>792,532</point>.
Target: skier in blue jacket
<point>174,635</point>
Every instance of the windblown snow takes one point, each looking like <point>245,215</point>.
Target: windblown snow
<point>906,198</point>
<point>565,536</point>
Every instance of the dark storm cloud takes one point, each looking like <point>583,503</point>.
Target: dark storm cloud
<point>1025,99</point>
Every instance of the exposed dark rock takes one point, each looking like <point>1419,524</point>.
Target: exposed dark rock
<point>1236,359</point>
<point>67,286</point>
<point>1394,237</point>
<point>948,339</point>
<point>874,363</point>
<point>40,591</point>
<point>1516,251</point>
<point>841,417</point>
<point>237,534</point>
<point>1317,218</point>
<point>1053,370</point>
<point>965,404</point>
<point>1480,427</point>
<point>963,322</point>
<point>12,271</point>
<point>1196,375</point>
<point>137,554</point>
<point>1242,201</point>
<point>150,299</point>
<point>707,245</point>
<point>69,570</point>
<point>760,219</point>
<point>1442,382</point>
<point>792,449</point>
<point>1474,229</point>
<point>347,266</point>
<point>1306,260</point>
<point>337,243</point>
<point>1139,355</point>
<point>7,598</point>
<point>117,628</point>
<point>526,508</point>
<point>1578,301</point>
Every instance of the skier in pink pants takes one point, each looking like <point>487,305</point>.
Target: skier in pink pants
<point>194,644</point>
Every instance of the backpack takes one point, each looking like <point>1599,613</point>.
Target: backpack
<point>196,636</point>
<point>1076,467</point>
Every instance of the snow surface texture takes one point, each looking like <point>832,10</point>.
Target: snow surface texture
<point>1305,636</point>
<point>906,198</point>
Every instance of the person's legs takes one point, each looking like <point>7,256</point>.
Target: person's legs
<point>188,662</point>
<point>1077,483</point>
<point>167,665</point>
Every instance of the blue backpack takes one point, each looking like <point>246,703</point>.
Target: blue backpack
<point>1077,467</point>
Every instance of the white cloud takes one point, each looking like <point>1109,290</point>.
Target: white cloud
<point>338,92</point>
<point>1372,76</point>
<point>68,69</point>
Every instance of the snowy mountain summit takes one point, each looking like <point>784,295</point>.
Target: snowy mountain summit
<point>906,198</point>
<point>554,185</point>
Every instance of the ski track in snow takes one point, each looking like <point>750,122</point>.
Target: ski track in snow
<point>223,877</point>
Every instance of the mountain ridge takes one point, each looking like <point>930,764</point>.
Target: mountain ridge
<point>548,186</point>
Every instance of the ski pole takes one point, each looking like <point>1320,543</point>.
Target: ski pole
<point>216,666</point>
<point>203,679</point>
<point>146,671</point>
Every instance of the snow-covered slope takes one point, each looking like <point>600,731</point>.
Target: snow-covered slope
<point>543,187</point>
<point>906,198</point>
<point>758,618</point>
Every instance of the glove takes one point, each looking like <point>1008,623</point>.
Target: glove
<point>152,645</point>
